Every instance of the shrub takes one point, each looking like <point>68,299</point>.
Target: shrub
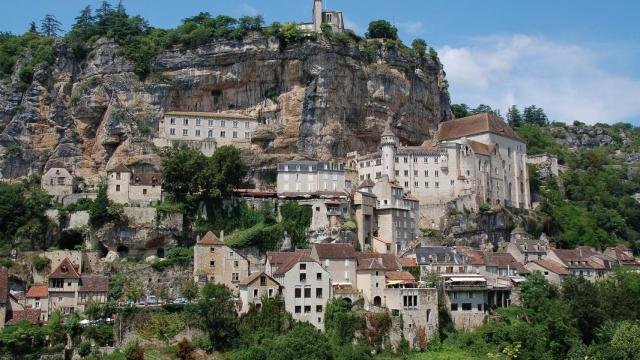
<point>382,29</point>
<point>184,350</point>
<point>84,348</point>
<point>484,208</point>
<point>40,262</point>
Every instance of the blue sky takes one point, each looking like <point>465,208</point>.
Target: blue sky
<point>578,59</point>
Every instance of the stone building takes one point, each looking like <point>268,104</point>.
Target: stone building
<point>340,261</point>
<point>311,177</point>
<point>441,260</point>
<point>322,16</point>
<point>205,131</point>
<point>306,288</point>
<point>525,249</point>
<point>37,297</point>
<point>577,261</point>
<point>69,291</point>
<point>57,180</point>
<point>255,287</point>
<point>467,299</point>
<point>551,270</point>
<point>472,161</point>
<point>127,187</point>
<point>213,261</point>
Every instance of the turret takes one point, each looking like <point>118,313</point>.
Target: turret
<point>317,15</point>
<point>388,144</point>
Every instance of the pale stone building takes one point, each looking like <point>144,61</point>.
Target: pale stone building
<point>472,161</point>
<point>467,296</point>
<point>551,270</point>
<point>57,180</point>
<point>126,187</point>
<point>525,249</point>
<point>69,291</point>
<point>321,16</point>
<point>311,177</point>
<point>255,287</point>
<point>576,261</point>
<point>441,260</point>
<point>364,205</point>
<point>306,288</point>
<point>37,297</point>
<point>213,261</point>
<point>340,261</point>
<point>205,131</point>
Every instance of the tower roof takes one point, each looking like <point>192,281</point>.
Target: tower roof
<point>387,130</point>
<point>475,124</point>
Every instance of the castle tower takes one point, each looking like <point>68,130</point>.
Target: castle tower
<point>388,144</point>
<point>317,15</point>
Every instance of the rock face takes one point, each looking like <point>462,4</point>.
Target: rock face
<point>317,100</point>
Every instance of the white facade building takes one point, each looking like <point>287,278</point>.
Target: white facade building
<point>205,131</point>
<point>311,177</point>
<point>475,160</point>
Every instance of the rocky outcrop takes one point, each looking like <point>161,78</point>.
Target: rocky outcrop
<point>317,99</point>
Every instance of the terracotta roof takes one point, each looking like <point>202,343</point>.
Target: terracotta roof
<point>621,253</point>
<point>94,283</point>
<point>146,179</point>
<point>370,264</point>
<point>54,164</point>
<point>4,285</point>
<point>475,124</point>
<point>216,115</point>
<point>399,275</point>
<point>335,251</point>
<point>389,261</point>
<point>119,168</point>
<point>65,270</point>
<point>575,257</point>
<point>30,315</point>
<point>366,183</point>
<point>284,268</point>
<point>209,239</point>
<point>407,262</point>
<point>475,257</point>
<point>253,277</point>
<point>38,291</point>
<point>552,266</point>
<point>480,148</point>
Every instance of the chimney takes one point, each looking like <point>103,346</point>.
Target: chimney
<point>222,235</point>
<point>198,238</point>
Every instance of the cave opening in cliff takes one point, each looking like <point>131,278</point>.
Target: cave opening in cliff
<point>70,240</point>
<point>122,251</point>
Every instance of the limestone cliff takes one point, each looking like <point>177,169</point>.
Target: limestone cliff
<point>317,99</point>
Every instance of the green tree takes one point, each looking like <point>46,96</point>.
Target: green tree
<point>182,172</point>
<point>460,110</point>
<point>190,290</point>
<point>534,115</point>
<point>133,291</point>
<point>626,340</point>
<point>50,26</point>
<point>341,323</point>
<point>216,311</point>
<point>225,171</point>
<point>33,28</point>
<point>84,21</point>
<point>514,117</point>
<point>103,210</point>
<point>382,29</point>
<point>420,47</point>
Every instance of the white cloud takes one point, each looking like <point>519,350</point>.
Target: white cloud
<point>411,27</point>
<point>568,81</point>
<point>248,10</point>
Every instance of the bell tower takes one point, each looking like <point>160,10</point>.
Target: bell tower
<point>317,15</point>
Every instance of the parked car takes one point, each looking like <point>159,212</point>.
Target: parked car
<point>152,300</point>
<point>180,300</point>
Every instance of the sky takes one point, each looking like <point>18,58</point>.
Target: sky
<point>577,59</point>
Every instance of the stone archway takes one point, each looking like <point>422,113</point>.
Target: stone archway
<point>377,301</point>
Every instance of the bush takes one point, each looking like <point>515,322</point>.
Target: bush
<point>84,348</point>
<point>40,262</point>
<point>184,350</point>
<point>382,29</point>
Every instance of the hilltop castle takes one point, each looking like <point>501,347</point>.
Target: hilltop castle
<point>320,16</point>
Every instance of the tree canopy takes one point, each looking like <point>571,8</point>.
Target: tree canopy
<point>382,29</point>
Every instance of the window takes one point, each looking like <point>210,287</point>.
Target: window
<point>466,307</point>
<point>454,307</point>
<point>397,172</point>
<point>303,266</point>
<point>406,160</point>
<point>57,283</point>
<point>298,293</point>
<point>426,184</point>
<point>172,121</point>
<point>247,135</point>
<point>144,191</point>
<point>185,121</point>
<point>185,132</point>
<point>212,263</point>
<point>263,280</point>
<point>117,187</point>
<point>319,293</point>
<point>235,134</point>
<point>298,309</point>
<point>211,250</point>
<point>426,173</point>
<point>470,295</point>
<point>307,293</point>
<point>406,173</point>
<point>235,264</point>
<point>303,277</point>
<point>235,124</point>
<point>211,123</point>
<point>319,276</point>
<point>210,134</point>
<point>318,308</point>
<point>479,307</point>
<point>247,125</point>
<point>223,134</point>
<point>222,123</point>
<point>197,122</point>
<point>197,132</point>
<point>436,173</point>
<point>255,292</point>
<point>437,184</point>
<point>172,131</point>
<point>307,309</point>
